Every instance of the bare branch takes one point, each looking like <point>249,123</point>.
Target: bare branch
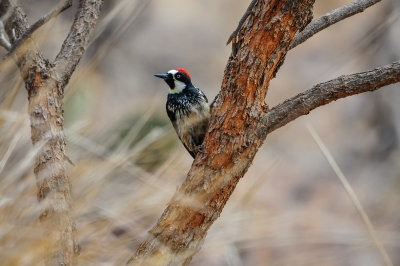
<point>3,40</point>
<point>248,12</point>
<point>331,18</point>
<point>6,10</point>
<point>78,39</point>
<point>329,91</point>
<point>55,12</point>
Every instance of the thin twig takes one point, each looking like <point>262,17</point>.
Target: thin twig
<point>3,41</point>
<point>329,91</point>
<point>232,37</point>
<point>331,18</point>
<point>352,195</point>
<point>55,12</point>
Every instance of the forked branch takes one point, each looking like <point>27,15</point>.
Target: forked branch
<point>40,22</point>
<point>45,84</point>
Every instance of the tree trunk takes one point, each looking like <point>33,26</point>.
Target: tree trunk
<point>230,144</point>
<point>45,83</point>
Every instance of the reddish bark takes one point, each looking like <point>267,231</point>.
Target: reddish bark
<point>230,145</point>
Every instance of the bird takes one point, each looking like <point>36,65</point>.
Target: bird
<point>187,108</point>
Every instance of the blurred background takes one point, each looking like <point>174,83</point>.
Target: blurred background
<point>289,209</point>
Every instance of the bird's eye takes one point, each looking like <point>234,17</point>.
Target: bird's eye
<point>178,76</point>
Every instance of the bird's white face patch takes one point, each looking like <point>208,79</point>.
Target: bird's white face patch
<point>173,72</point>
<point>179,85</point>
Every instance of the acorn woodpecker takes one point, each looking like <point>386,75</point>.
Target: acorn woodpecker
<point>187,108</point>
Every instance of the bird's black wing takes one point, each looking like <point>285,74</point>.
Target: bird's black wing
<point>172,117</point>
<point>202,94</point>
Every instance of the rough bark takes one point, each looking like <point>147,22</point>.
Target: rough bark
<point>45,85</point>
<point>77,40</point>
<point>229,145</point>
<point>329,91</point>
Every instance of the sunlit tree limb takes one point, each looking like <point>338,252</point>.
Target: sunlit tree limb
<point>329,91</point>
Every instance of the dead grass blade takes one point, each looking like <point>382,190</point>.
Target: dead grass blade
<point>350,192</point>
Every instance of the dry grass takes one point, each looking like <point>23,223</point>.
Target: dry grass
<point>352,195</point>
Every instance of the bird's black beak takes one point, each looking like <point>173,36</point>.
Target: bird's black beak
<point>167,78</point>
<point>162,76</point>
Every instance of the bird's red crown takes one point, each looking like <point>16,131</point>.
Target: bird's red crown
<point>183,70</point>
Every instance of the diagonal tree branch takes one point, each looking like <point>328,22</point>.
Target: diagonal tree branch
<point>229,148</point>
<point>77,40</point>
<point>6,5</point>
<point>40,22</point>
<point>329,91</point>
<point>331,18</point>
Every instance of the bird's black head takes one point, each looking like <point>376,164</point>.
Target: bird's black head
<point>177,79</point>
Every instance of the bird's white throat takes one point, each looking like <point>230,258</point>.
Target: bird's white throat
<point>179,86</point>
